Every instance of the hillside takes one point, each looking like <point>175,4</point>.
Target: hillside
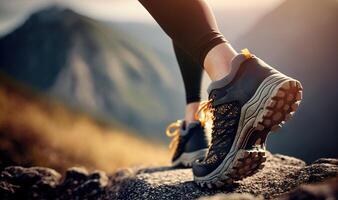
<point>95,67</point>
<point>300,39</point>
<point>38,131</point>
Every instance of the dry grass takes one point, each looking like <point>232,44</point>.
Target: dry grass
<point>37,132</point>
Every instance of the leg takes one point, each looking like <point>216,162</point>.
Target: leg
<point>189,141</point>
<point>196,32</point>
<point>192,76</point>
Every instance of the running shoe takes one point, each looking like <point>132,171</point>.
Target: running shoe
<point>188,144</point>
<point>253,100</point>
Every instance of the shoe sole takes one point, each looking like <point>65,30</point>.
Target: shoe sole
<point>186,159</point>
<point>274,102</point>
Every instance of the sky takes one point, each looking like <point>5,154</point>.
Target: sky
<point>14,12</point>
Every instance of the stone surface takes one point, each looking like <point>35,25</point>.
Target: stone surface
<point>283,177</point>
<point>43,183</point>
<point>324,190</point>
<point>280,175</point>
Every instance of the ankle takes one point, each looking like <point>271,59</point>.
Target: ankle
<point>217,63</point>
<point>190,111</point>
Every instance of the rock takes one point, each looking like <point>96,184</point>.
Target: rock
<point>280,175</point>
<point>233,196</point>
<point>319,170</point>
<point>21,183</point>
<point>325,190</point>
<point>283,177</point>
<point>43,183</point>
<point>79,184</point>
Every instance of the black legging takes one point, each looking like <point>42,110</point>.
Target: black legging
<point>191,73</point>
<point>193,28</point>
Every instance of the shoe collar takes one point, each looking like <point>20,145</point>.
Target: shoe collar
<point>236,62</point>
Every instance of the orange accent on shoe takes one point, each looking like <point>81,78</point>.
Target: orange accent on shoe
<point>203,114</point>
<point>247,53</point>
<point>173,131</point>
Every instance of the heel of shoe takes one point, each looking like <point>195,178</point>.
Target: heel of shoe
<point>247,163</point>
<point>281,105</point>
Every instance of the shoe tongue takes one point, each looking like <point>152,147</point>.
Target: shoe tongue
<point>235,64</point>
<point>185,129</point>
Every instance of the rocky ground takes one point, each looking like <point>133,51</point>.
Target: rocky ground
<point>283,178</point>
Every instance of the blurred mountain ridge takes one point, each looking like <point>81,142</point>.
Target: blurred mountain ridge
<point>94,66</point>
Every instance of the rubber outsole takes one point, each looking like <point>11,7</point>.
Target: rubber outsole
<point>246,163</point>
<point>249,159</point>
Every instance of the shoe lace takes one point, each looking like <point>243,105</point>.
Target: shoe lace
<point>204,112</point>
<point>173,131</point>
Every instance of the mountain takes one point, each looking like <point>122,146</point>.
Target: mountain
<point>149,33</point>
<point>96,67</point>
<point>300,39</point>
